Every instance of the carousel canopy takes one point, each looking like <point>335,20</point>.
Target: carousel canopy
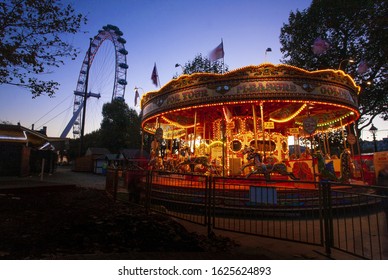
<point>282,96</point>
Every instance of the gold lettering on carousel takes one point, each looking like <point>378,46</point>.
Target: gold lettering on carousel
<point>186,96</point>
<point>335,91</point>
<point>173,99</point>
<point>265,86</point>
<point>194,94</point>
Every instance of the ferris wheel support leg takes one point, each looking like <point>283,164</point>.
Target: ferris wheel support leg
<point>71,122</point>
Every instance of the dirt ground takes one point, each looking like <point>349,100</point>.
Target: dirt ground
<point>69,215</point>
<point>79,223</point>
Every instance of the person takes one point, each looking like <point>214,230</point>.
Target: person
<point>382,178</point>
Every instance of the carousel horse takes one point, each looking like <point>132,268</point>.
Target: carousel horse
<point>192,162</point>
<point>347,166</point>
<point>262,168</point>
<point>326,170</point>
<point>169,164</point>
<point>155,163</point>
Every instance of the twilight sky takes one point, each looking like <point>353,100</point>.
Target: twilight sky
<point>164,32</point>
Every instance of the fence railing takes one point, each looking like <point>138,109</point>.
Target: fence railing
<point>265,208</point>
<point>349,218</point>
<point>356,220</point>
<point>181,196</point>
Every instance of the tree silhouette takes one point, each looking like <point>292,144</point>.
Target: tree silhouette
<point>31,43</point>
<point>120,126</point>
<point>353,29</point>
<point>201,64</point>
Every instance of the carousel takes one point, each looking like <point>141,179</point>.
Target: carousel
<point>240,123</point>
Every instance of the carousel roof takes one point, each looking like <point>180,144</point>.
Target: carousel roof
<point>282,94</point>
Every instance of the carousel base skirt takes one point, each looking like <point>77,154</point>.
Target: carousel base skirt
<point>236,183</point>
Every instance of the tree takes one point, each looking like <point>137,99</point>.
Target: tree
<point>120,126</point>
<point>202,64</point>
<point>31,43</point>
<point>92,139</point>
<point>352,29</point>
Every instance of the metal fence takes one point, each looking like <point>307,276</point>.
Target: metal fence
<point>356,220</point>
<point>181,196</point>
<point>349,218</point>
<point>266,208</point>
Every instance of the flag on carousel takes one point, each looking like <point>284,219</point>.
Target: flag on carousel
<point>362,67</point>
<point>154,76</point>
<point>218,52</point>
<point>320,46</point>
<point>137,96</point>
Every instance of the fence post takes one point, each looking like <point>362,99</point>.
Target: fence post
<point>115,184</point>
<point>327,217</point>
<point>208,206</point>
<point>148,192</point>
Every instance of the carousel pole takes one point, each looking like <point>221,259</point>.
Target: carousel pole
<point>343,134</point>
<point>359,152</point>
<point>324,143</point>
<point>254,125</point>
<point>297,143</point>
<point>172,140</point>
<point>295,146</point>
<point>262,128</point>
<point>195,130</point>
<point>327,144</point>
<point>142,142</point>
<point>204,129</point>
<point>349,132</point>
<point>312,158</point>
<point>223,136</point>
<point>269,140</point>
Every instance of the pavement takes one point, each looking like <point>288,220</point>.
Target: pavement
<point>250,246</point>
<point>63,177</point>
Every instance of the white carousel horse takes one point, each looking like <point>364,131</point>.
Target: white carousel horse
<point>262,168</point>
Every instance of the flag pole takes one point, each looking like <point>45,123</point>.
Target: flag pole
<point>157,76</point>
<point>223,56</point>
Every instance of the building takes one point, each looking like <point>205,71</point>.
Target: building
<point>24,151</point>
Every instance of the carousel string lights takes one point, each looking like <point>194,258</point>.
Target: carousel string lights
<point>178,124</point>
<point>287,119</point>
<point>253,106</point>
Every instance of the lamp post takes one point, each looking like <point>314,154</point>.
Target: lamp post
<point>179,65</point>
<point>137,95</point>
<point>267,51</point>
<point>342,61</point>
<point>373,130</point>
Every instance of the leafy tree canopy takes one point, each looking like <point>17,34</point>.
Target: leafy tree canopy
<point>120,126</point>
<point>30,41</point>
<point>201,64</point>
<point>351,29</point>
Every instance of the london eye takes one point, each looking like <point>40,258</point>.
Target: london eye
<point>108,33</point>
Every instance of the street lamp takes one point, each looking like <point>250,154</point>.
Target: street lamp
<point>373,130</point>
<point>267,51</point>
<point>348,60</point>
<point>179,65</point>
